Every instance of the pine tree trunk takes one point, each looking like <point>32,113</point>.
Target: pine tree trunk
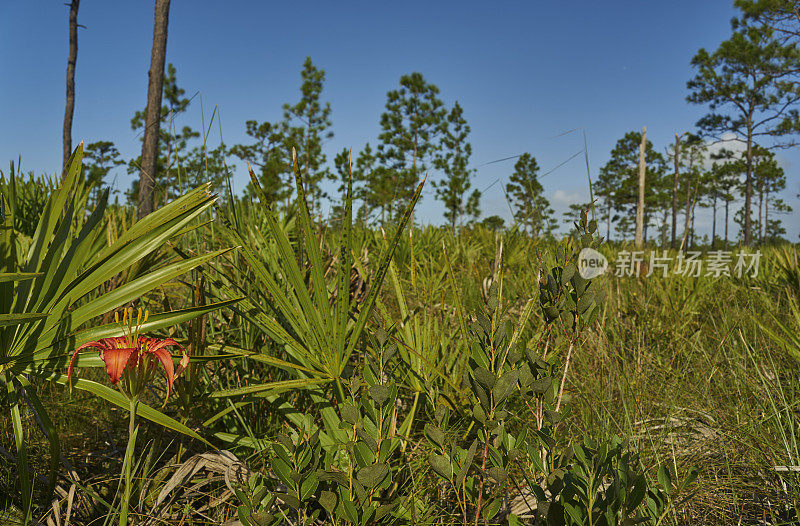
<point>766,215</point>
<point>714,223</point>
<point>153,115</point>
<point>688,204</point>
<point>760,209</point>
<point>644,232</point>
<point>727,203</point>
<point>640,202</point>
<point>675,189</point>
<point>71,61</point>
<point>748,193</point>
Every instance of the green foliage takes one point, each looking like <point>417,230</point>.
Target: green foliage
<point>48,287</point>
<point>99,159</point>
<point>315,324</point>
<point>23,200</point>
<point>172,142</point>
<point>270,155</point>
<point>494,223</point>
<point>413,120</point>
<point>349,479</point>
<point>746,84</point>
<point>257,502</point>
<point>532,209</point>
<point>604,484</point>
<point>453,160</point>
<point>618,184</point>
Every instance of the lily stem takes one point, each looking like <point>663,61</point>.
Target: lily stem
<point>132,432</point>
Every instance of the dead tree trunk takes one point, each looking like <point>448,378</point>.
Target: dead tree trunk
<point>640,203</point>
<point>153,115</point>
<point>71,61</point>
<point>677,160</point>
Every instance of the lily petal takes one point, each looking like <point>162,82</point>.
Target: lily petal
<point>169,368</point>
<point>154,344</point>
<point>97,345</point>
<point>116,360</point>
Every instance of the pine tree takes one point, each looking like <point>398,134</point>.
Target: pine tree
<point>746,84</point>
<point>473,208</point>
<point>99,158</point>
<point>727,176</point>
<point>270,158</point>
<point>769,179</point>
<point>778,15</point>
<point>684,154</point>
<point>532,209</point>
<point>453,160</point>
<point>308,123</point>
<point>205,166</point>
<point>411,123</point>
<point>494,223</point>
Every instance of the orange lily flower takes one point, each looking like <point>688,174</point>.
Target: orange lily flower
<point>138,355</point>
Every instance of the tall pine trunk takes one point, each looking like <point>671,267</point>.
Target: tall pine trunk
<point>688,214</point>
<point>675,189</point>
<point>760,209</point>
<point>71,61</point>
<point>640,202</point>
<point>748,192</point>
<point>727,203</point>
<point>153,115</point>
<point>766,216</point>
<point>714,223</point>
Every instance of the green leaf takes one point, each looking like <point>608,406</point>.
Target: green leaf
<point>375,286</point>
<point>18,276</point>
<point>137,287</point>
<point>270,387</point>
<point>372,476</point>
<point>491,509</point>
<point>505,386</point>
<point>485,378</point>
<point>379,393</point>
<point>441,466</point>
<point>541,385</point>
<point>435,434</point>
<point>20,319</point>
<point>291,500</point>
<point>497,474</point>
<point>154,323</point>
<point>50,431</point>
<point>665,479</point>
<point>20,444</point>
<point>467,463</point>
<point>327,500</point>
<point>350,413</point>
<point>552,416</point>
<point>282,470</point>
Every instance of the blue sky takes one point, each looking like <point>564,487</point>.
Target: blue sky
<point>524,72</point>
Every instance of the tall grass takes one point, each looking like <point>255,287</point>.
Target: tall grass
<point>690,372</point>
